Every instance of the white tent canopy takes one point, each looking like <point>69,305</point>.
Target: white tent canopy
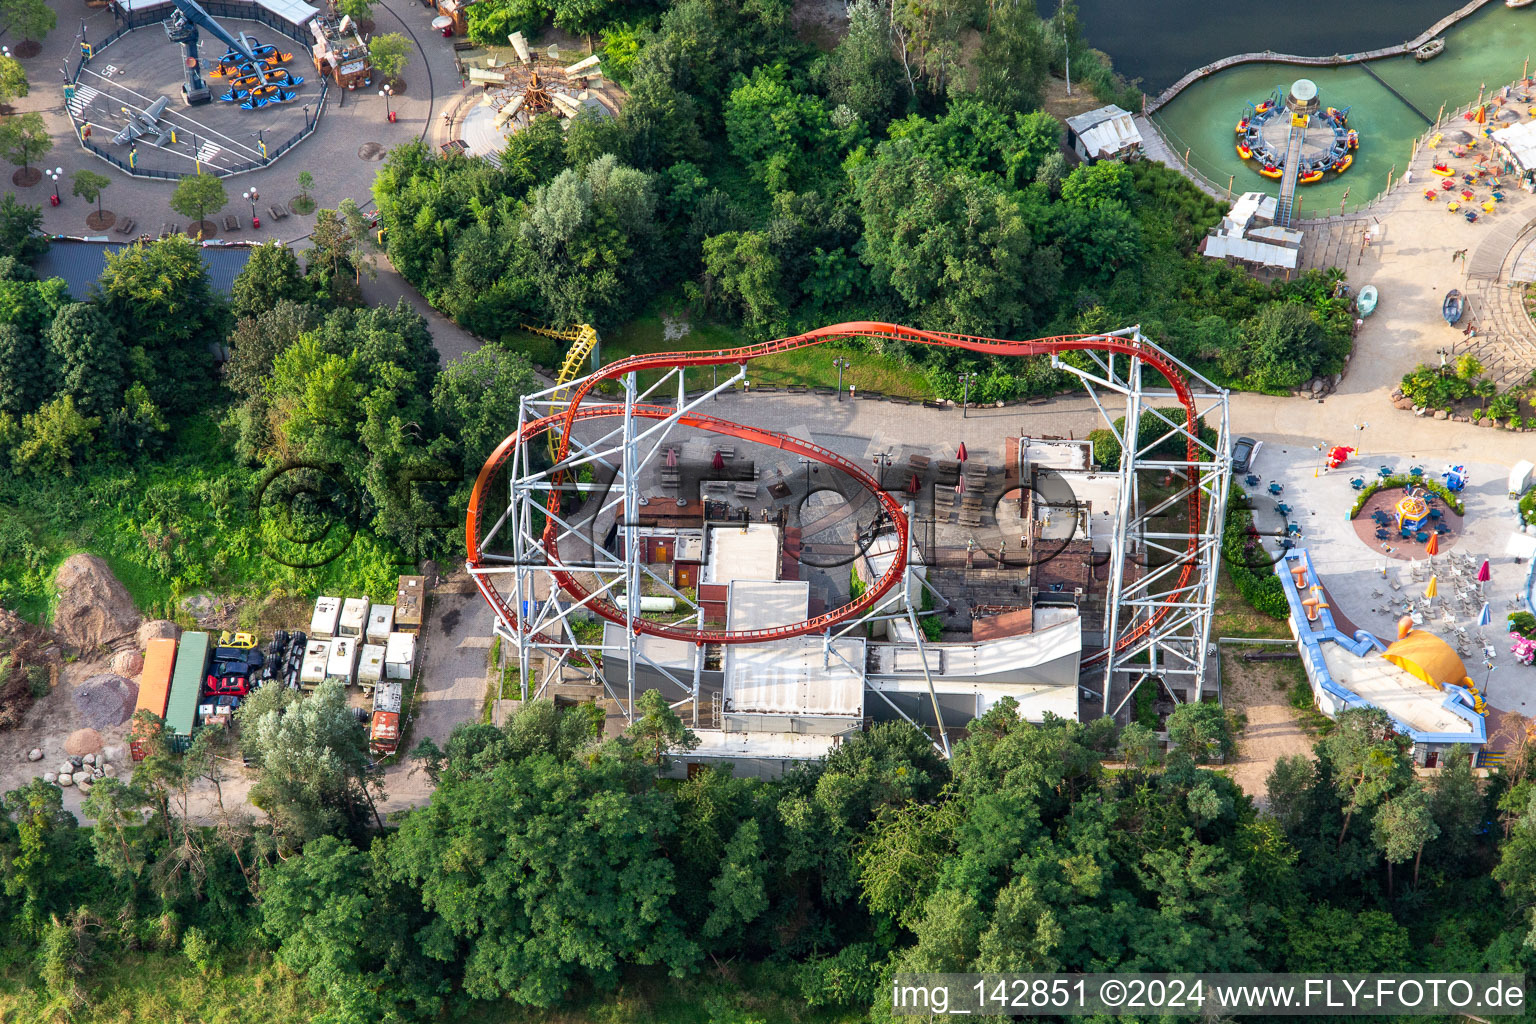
<point>1518,143</point>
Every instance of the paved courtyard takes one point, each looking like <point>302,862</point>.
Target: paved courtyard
<point>130,74</point>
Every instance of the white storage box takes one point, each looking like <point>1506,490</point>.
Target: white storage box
<point>400,656</point>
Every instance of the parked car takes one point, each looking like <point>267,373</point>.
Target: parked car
<point>1244,451</point>
<point>230,685</point>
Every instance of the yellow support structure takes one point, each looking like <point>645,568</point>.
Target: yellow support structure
<point>583,339</point>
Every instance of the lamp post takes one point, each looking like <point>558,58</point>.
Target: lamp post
<point>306,117</point>
<point>260,135</point>
<point>841,364</point>
<point>966,380</point>
<point>56,174</point>
<point>251,198</point>
<point>882,462</point>
<point>387,92</point>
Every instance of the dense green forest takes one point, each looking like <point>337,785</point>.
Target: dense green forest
<point>333,449</point>
<point>753,180</point>
<point>553,869</point>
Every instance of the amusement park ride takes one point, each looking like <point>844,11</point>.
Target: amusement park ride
<point>538,564</point>
<point>255,78</point>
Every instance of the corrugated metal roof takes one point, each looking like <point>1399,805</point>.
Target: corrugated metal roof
<point>80,263</point>
<point>1086,120</point>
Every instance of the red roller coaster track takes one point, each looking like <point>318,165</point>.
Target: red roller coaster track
<point>566,419</point>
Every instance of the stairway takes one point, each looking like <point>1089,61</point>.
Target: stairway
<point>1292,171</point>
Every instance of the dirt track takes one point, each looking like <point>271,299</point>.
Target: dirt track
<point>1256,689</point>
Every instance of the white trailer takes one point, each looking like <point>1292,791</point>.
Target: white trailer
<point>322,624</point>
<point>370,666</point>
<point>381,623</point>
<point>317,655</point>
<point>343,661</point>
<point>354,617</point>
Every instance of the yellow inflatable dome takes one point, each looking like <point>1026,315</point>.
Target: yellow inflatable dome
<point>1427,657</point>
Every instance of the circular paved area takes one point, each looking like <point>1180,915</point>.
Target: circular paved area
<point>127,76</point>
<point>1394,546</point>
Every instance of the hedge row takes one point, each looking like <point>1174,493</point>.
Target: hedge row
<point>1259,586</point>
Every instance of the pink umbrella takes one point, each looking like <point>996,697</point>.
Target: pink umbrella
<point>671,458</point>
<point>961,453</point>
<point>1483,575</point>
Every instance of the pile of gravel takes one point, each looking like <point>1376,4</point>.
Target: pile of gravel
<point>106,700</point>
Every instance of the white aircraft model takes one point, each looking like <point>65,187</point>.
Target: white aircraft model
<point>142,124</point>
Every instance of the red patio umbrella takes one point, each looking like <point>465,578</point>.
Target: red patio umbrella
<point>913,486</point>
<point>718,462</point>
<point>961,453</point>
<point>1483,575</point>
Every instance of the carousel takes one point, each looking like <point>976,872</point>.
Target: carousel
<point>1267,128</point>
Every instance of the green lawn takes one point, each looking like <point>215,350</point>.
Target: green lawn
<point>810,366</point>
<point>185,523</point>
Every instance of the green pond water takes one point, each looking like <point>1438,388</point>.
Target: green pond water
<point>1490,47</point>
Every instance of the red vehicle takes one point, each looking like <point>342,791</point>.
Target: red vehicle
<point>226,686</point>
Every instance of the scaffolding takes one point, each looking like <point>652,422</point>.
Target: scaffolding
<point>564,549</point>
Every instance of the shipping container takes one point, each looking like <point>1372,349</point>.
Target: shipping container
<point>354,617</point>
<point>317,654</point>
<point>154,687</point>
<point>400,656</point>
<point>342,664</point>
<point>186,686</point>
<point>327,613</point>
<point>410,598</point>
<point>370,666</point>
<point>381,623</point>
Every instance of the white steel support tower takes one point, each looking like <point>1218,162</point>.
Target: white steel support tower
<point>1165,549</point>
<point>1166,553</point>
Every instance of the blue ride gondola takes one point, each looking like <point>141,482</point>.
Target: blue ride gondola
<point>266,95</point>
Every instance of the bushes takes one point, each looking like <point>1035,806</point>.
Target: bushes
<point>1258,585</point>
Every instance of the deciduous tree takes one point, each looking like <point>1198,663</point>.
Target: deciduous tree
<point>90,357</point>
<point>24,137</point>
<point>199,195</point>
<point>89,185</point>
<point>271,275</point>
<point>389,53</point>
